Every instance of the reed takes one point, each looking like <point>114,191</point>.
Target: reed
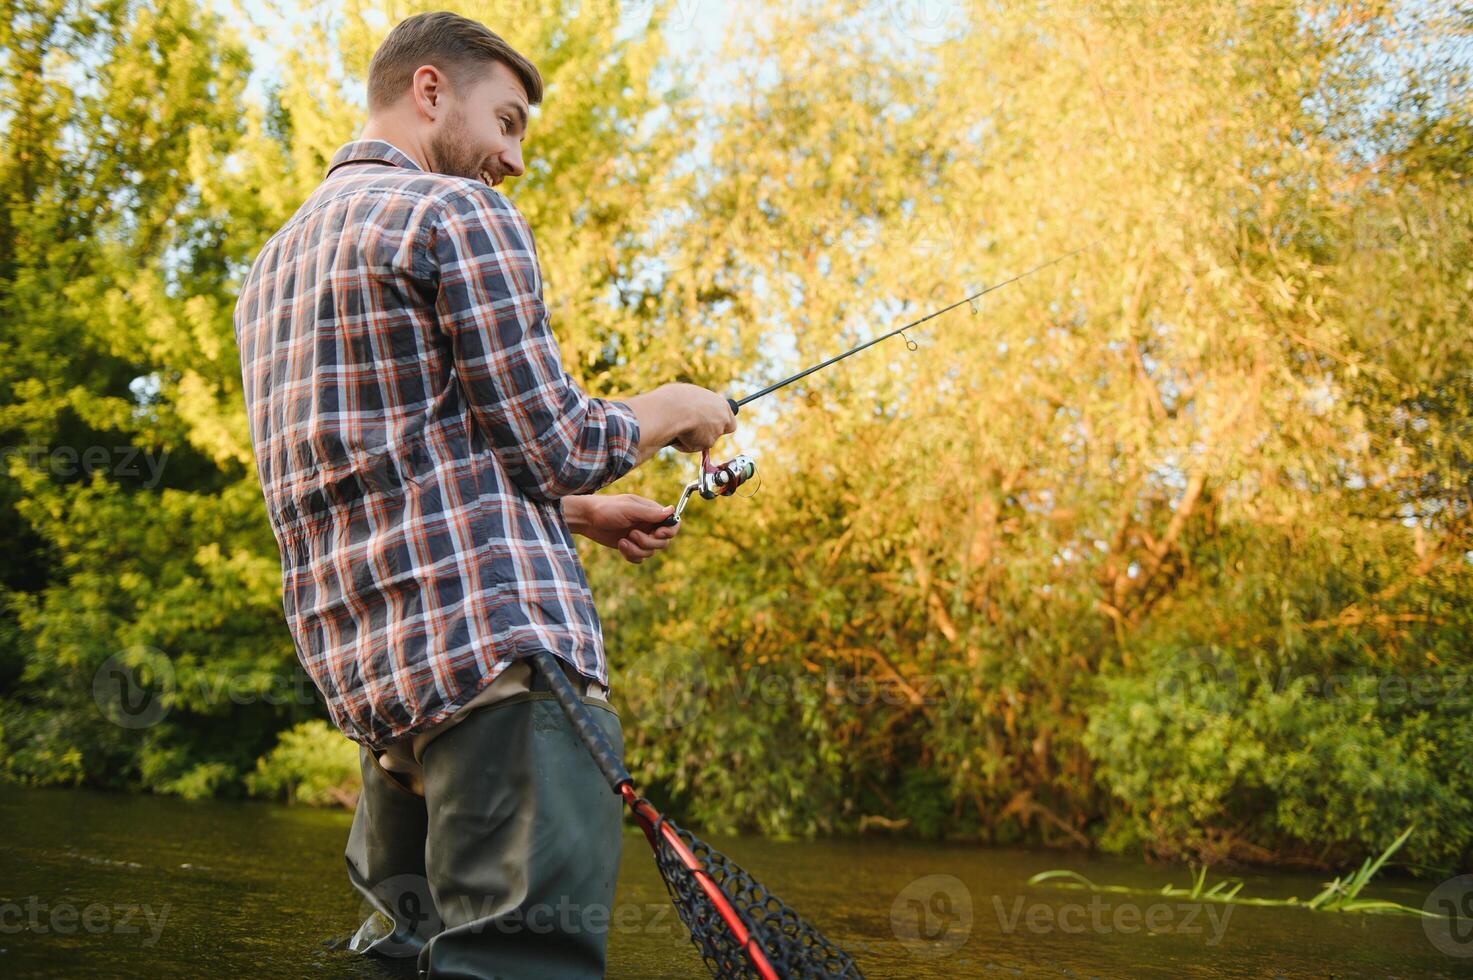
<point>1340,895</point>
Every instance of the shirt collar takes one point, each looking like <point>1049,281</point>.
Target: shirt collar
<point>371,151</point>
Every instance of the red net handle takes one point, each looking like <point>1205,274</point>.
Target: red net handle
<point>652,824</point>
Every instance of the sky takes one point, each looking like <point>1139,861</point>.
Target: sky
<point>694,27</point>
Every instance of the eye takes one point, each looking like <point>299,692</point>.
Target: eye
<point>505,125</point>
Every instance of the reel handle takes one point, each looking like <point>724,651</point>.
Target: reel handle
<point>672,520</point>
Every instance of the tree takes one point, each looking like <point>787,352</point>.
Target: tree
<point>1166,547</point>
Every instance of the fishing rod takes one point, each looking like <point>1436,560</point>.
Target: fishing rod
<point>722,480</point>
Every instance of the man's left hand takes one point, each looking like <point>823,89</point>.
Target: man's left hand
<point>626,522</point>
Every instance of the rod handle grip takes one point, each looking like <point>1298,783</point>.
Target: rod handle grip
<point>582,720</point>
<point>730,402</point>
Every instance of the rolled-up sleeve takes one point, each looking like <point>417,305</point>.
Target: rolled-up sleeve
<point>553,439</point>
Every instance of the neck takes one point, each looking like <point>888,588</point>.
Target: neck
<point>402,139</point>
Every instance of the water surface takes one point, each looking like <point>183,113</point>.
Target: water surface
<point>95,884</point>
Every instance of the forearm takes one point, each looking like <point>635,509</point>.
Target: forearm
<point>562,446</point>
<point>660,420</point>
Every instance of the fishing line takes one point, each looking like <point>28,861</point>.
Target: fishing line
<point>721,480</point>
<point>900,331</point>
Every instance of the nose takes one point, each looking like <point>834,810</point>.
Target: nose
<point>511,161</point>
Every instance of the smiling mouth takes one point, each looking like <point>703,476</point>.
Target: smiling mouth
<point>487,179</point>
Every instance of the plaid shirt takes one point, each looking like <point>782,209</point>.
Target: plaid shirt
<point>414,432</point>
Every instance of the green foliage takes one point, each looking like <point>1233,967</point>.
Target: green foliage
<point>200,781</point>
<point>1246,721</point>
<point>313,764</point>
<point>1167,548</point>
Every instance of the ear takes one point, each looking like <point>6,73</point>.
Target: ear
<point>427,88</point>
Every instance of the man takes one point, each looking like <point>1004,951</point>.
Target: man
<point>425,461</point>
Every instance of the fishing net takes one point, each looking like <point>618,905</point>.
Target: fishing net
<point>793,947</point>
<point>741,929</point>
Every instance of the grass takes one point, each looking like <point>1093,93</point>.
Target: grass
<point>1340,895</point>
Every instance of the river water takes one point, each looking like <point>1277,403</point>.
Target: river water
<point>95,884</point>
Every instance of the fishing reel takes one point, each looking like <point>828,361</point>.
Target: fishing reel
<point>714,480</point>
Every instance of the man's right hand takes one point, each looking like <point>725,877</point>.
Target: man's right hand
<point>689,417</point>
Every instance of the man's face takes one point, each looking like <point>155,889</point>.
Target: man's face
<point>481,135</point>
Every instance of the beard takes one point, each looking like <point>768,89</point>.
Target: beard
<point>453,152</point>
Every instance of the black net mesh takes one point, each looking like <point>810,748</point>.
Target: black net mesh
<point>794,948</point>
